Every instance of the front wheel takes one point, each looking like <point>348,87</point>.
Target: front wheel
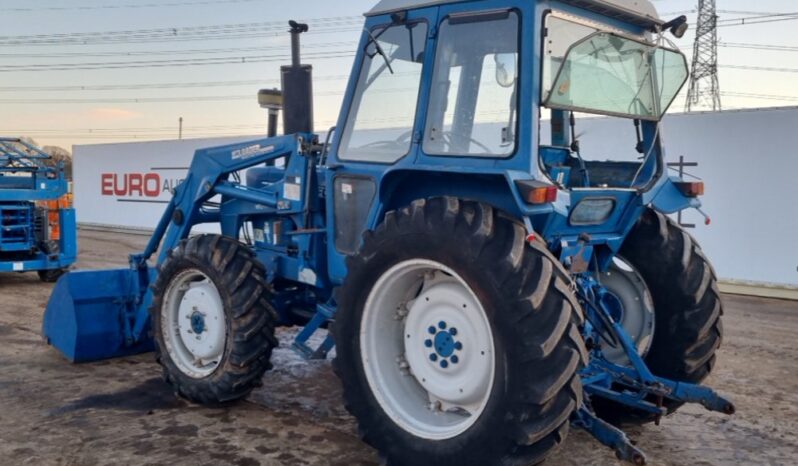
<point>457,342</point>
<point>212,322</point>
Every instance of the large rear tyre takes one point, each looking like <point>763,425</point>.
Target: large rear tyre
<point>687,308</point>
<point>212,322</point>
<point>457,342</point>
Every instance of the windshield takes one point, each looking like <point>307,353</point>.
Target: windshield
<point>379,125</point>
<point>612,75</point>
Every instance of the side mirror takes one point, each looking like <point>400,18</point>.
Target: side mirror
<point>506,69</point>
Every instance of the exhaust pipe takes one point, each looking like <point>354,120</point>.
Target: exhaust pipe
<point>297,82</point>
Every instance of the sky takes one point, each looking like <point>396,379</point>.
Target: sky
<point>61,87</point>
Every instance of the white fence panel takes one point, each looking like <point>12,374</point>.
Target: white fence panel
<point>746,158</point>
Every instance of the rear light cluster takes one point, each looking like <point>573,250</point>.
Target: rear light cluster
<point>690,188</point>
<point>536,192</point>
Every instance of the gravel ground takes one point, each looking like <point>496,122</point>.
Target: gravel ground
<point>119,411</point>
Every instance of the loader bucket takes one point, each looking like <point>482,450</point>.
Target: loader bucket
<point>85,316</point>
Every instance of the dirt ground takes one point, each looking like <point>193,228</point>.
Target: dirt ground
<point>120,412</point>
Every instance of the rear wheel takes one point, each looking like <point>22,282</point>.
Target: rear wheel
<point>457,342</point>
<point>212,322</point>
<point>687,307</point>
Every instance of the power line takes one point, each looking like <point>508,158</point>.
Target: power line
<point>224,35</point>
<point>738,12</point>
<point>173,30</point>
<point>173,85</point>
<point>745,22</point>
<point>760,68</point>
<point>144,100</point>
<point>761,96</point>
<point>170,52</point>
<point>128,5</point>
<point>136,100</point>
<point>756,16</point>
<point>190,33</point>
<point>774,47</point>
<point>169,63</point>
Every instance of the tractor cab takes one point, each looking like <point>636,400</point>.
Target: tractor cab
<point>487,98</point>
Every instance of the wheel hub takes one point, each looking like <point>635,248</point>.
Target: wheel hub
<point>197,322</point>
<point>201,320</point>
<point>194,323</point>
<point>443,344</point>
<point>441,320</point>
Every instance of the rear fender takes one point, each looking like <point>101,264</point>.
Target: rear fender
<point>669,199</point>
<point>400,188</point>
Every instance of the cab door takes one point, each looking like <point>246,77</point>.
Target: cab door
<point>377,130</point>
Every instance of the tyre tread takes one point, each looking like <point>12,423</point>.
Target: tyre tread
<point>537,314</point>
<point>239,278</point>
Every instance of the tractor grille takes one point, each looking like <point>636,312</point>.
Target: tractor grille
<point>16,226</point>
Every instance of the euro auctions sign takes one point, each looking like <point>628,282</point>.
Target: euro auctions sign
<point>132,185</point>
<point>128,185</point>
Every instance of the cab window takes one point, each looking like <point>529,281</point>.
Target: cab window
<point>379,127</point>
<point>473,102</point>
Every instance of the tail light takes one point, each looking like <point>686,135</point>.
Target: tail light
<point>536,192</point>
<point>691,188</point>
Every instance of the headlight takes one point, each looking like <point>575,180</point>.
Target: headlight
<point>592,211</point>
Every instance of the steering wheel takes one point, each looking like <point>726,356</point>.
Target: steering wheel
<point>399,142</point>
<point>448,137</point>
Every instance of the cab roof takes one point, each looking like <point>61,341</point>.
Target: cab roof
<point>638,12</point>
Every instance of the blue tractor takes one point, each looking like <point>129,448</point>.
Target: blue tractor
<point>486,286</point>
<point>37,222</point>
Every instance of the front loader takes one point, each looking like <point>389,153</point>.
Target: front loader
<point>486,284</point>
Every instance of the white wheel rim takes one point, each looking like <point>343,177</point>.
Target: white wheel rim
<point>626,283</point>
<point>427,349</point>
<point>193,323</point>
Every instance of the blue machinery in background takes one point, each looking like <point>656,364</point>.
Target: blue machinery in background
<point>37,222</point>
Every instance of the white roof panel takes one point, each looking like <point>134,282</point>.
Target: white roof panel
<point>622,9</point>
<point>389,6</point>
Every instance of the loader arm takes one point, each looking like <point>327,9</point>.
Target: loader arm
<point>208,177</point>
<point>83,319</point>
